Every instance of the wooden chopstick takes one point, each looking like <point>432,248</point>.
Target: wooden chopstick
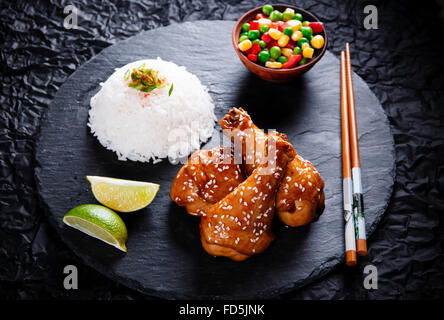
<point>350,242</point>
<point>358,198</point>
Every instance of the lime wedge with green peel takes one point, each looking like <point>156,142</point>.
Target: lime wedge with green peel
<point>99,222</point>
<point>123,195</point>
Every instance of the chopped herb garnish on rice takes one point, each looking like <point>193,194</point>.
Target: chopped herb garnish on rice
<point>145,80</point>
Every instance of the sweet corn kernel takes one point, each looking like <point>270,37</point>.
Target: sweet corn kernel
<point>264,22</point>
<point>305,45</point>
<point>294,24</point>
<point>296,36</point>
<point>245,45</point>
<point>287,52</point>
<point>283,40</point>
<point>273,65</point>
<point>308,52</point>
<point>275,34</point>
<point>317,42</point>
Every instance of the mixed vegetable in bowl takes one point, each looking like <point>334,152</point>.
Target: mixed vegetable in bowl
<point>280,40</point>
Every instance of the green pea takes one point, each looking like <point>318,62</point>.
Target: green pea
<point>297,50</point>
<point>298,16</point>
<point>263,56</point>
<point>303,61</point>
<point>264,28</point>
<point>276,16</point>
<point>288,31</point>
<point>301,41</point>
<point>253,34</point>
<point>306,31</point>
<point>242,38</point>
<point>288,14</point>
<point>246,27</point>
<point>262,44</point>
<point>267,9</point>
<point>305,23</point>
<point>244,34</point>
<point>275,52</point>
<point>282,59</point>
<point>310,37</point>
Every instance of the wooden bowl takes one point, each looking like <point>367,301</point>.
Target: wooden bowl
<point>276,75</point>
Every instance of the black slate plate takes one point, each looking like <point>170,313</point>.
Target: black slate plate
<point>164,256</point>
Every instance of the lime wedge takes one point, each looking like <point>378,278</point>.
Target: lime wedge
<point>122,195</point>
<point>98,222</point>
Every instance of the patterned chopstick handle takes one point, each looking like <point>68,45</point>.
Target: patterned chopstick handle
<point>358,212</point>
<point>350,240</point>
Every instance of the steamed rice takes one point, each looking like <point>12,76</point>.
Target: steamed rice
<point>143,126</point>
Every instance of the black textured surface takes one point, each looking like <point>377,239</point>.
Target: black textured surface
<point>165,256</point>
<point>401,62</point>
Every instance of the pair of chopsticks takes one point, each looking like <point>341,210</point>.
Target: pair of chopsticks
<point>355,238</point>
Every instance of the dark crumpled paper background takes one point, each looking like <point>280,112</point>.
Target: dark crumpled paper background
<point>402,62</point>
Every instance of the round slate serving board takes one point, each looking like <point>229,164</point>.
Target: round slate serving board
<point>165,257</point>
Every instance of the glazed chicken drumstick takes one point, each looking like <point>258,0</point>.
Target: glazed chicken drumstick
<point>239,225</point>
<point>301,193</point>
<point>207,177</point>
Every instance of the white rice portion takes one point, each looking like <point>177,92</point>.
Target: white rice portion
<point>143,127</point>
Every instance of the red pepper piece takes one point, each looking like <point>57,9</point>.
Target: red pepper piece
<point>274,25</point>
<point>254,25</point>
<point>261,16</point>
<point>291,44</point>
<point>272,43</point>
<point>252,57</point>
<point>266,38</point>
<point>256,48</point>
<point>294,59</point>
<point>285,25</point>
<point>316,27</point>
